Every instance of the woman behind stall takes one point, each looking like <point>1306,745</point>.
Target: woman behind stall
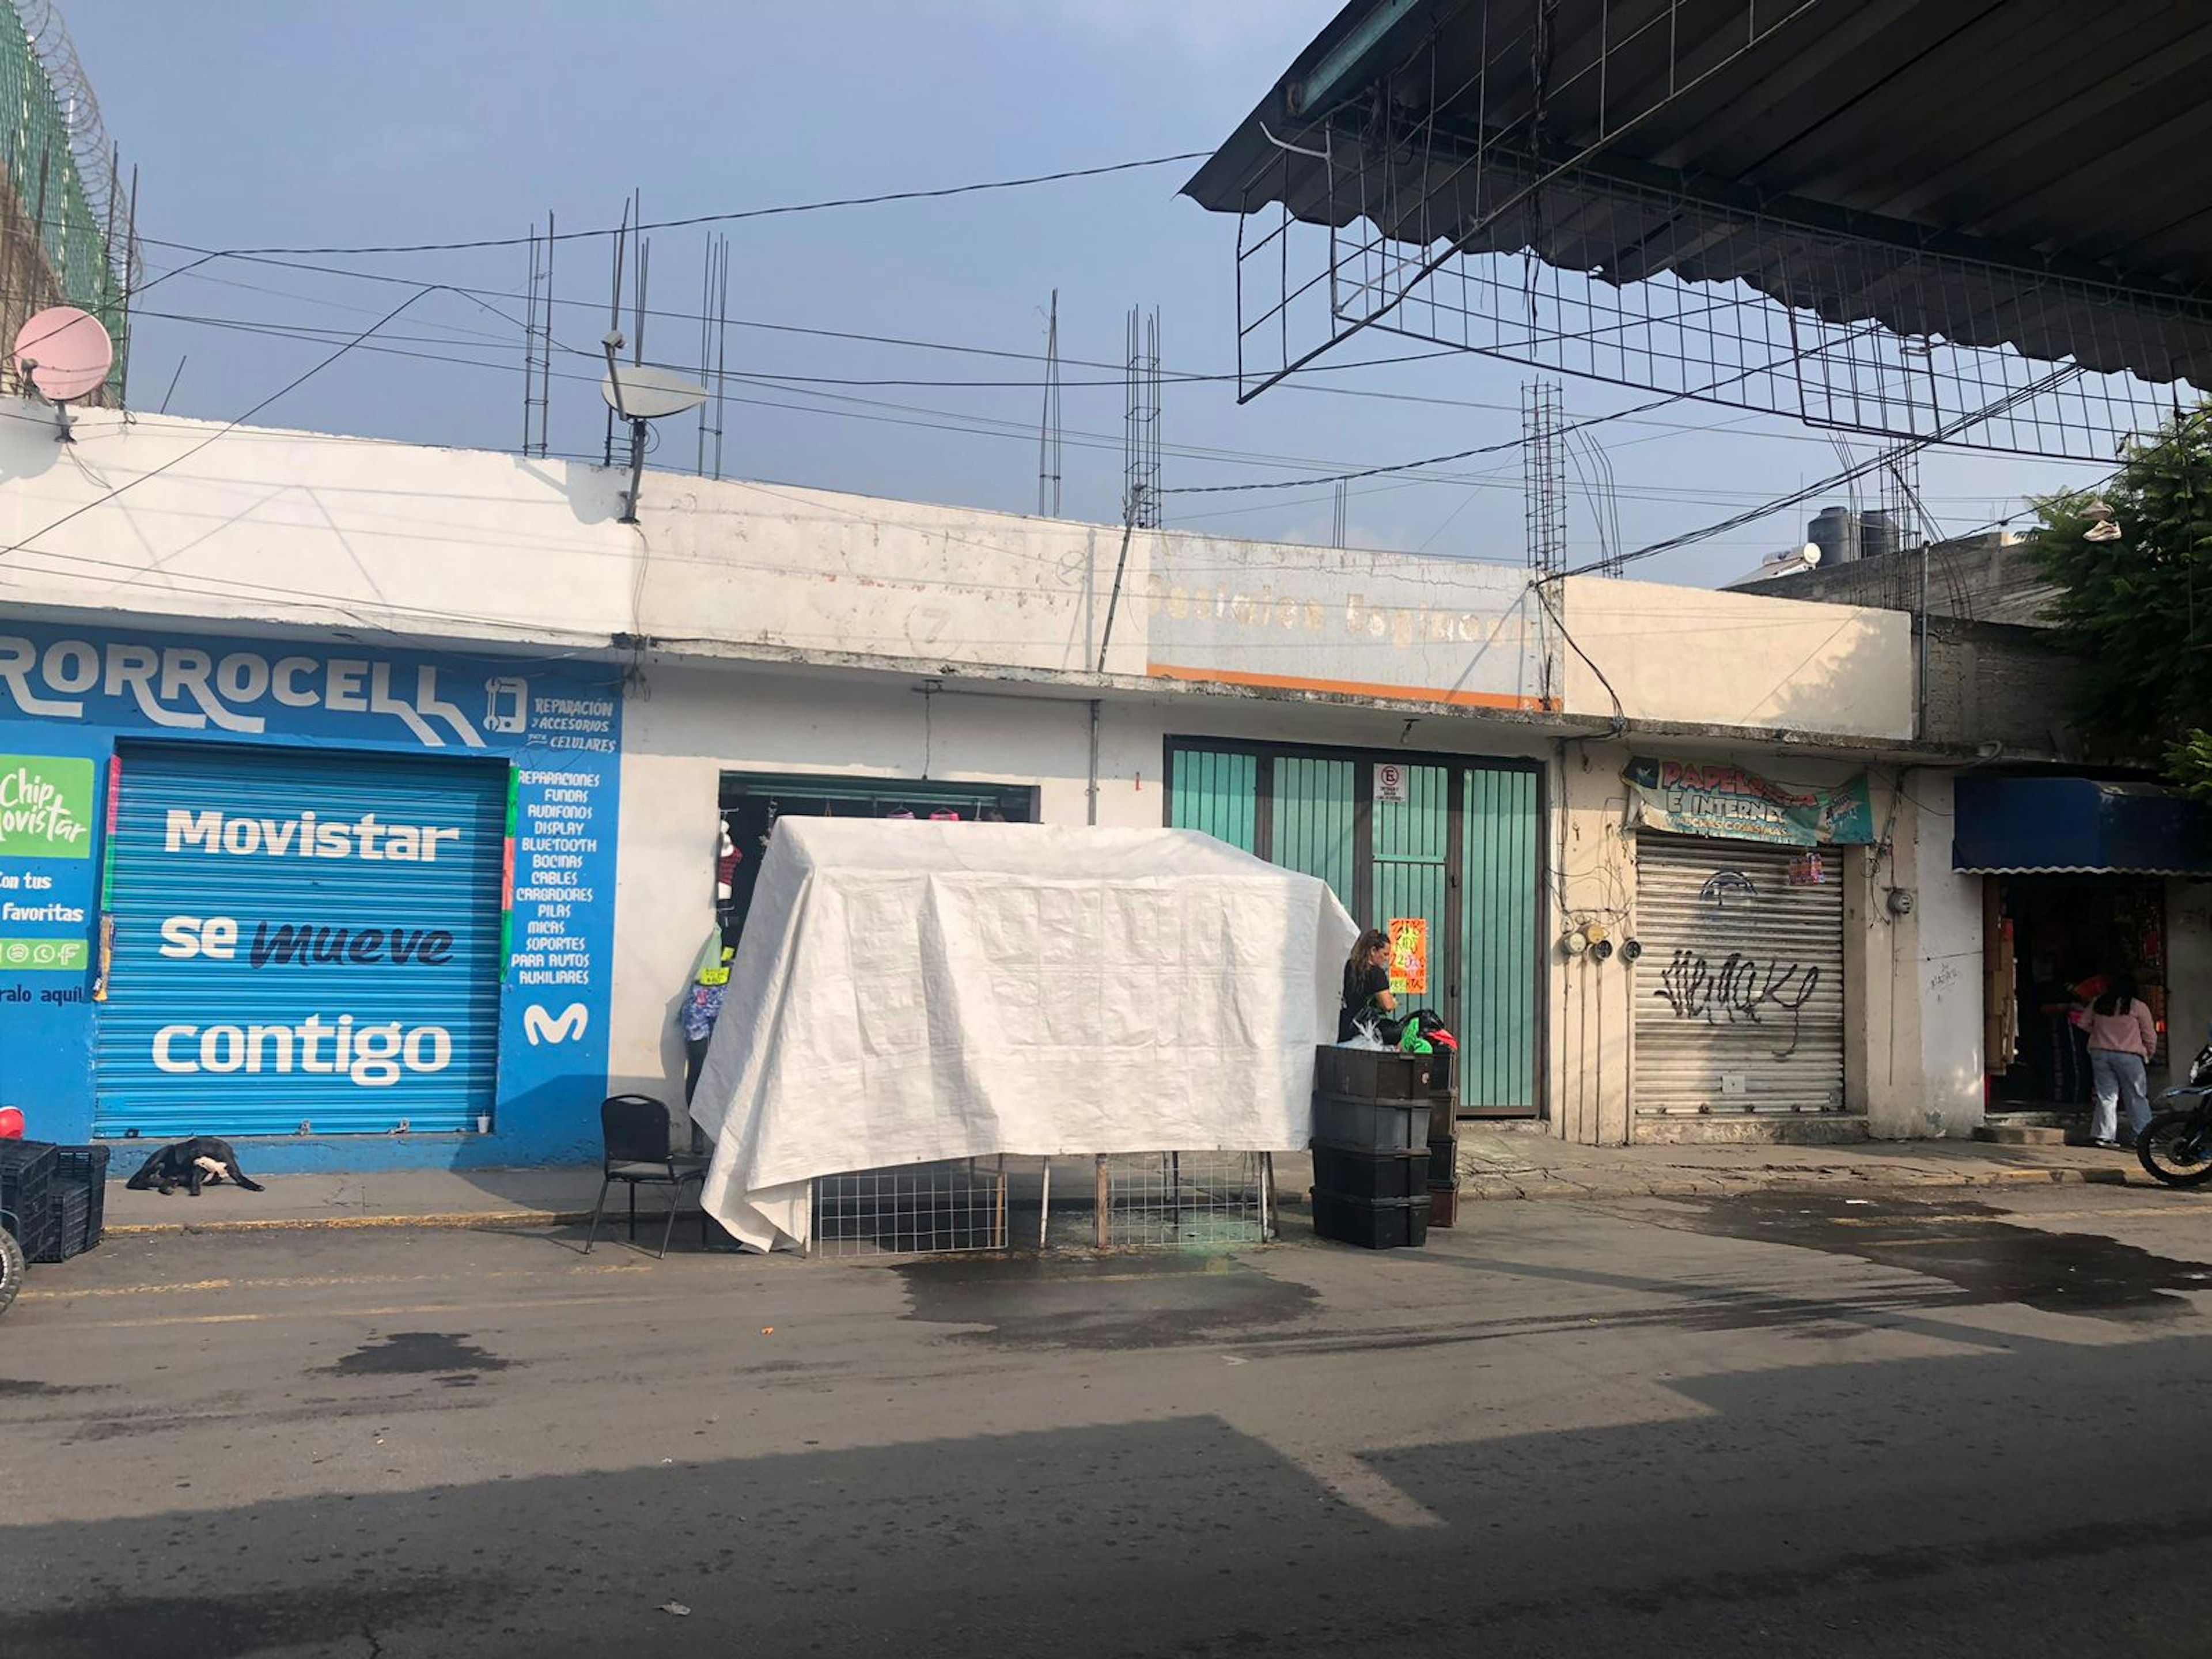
<point>1366,984</point>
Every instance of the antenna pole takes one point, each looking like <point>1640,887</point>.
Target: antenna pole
<point>1048,435</point>
<point>614,321</point>
<point>636,471</point>
<point>705,343</point>
<point>721,352</point>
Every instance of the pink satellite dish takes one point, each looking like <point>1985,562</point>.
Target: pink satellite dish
<point>64,353</point>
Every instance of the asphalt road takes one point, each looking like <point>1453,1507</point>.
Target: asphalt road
<point>1782,1426</point>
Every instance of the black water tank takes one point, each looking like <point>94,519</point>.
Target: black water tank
<point>1880,536</point>
<point>1835,531</point>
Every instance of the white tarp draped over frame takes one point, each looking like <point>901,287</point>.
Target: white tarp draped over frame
<point>911,992</point>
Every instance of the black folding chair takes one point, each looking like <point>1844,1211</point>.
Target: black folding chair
<point>636,1131</point>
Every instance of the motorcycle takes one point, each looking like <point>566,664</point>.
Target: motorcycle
<point>13,1263</point>
<point>2176,1146</point>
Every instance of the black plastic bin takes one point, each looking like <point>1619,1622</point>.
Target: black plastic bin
<point>1372,1074</point>
<point>1443,1160</point>
<point>1372,1224</point>
<point>26,1191</point>
<point>1374,1125</point>
<point>78,1206</point>
<point>1362,1172</point>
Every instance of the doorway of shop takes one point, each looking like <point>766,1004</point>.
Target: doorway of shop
<point>2048,937</point>
<point>752,802</point>
<point>1441,850</point>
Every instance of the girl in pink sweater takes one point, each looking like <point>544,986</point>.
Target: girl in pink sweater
<point>2122,1037</point>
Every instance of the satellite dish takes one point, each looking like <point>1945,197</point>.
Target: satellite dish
<point>64,353</point>
<point>645,393</point>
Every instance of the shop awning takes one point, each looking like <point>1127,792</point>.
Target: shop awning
<point>2077,827</point>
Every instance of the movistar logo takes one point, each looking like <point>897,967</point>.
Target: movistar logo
<point>565,1026</point>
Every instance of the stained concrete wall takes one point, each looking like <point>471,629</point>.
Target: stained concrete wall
<point>1737,659</point>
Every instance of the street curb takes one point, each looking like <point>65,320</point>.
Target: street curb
<point>1504,1189</point>
<point>459,1220</point>
<point>1481,1188</point>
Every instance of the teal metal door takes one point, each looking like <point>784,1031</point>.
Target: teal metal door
<point>1217,792</point>
<point>1499,963</point>
<point>1412,878</point>
<point>1456,846</point>
<point>1314,816</point>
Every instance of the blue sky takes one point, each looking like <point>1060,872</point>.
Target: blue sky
<point>271,123</point>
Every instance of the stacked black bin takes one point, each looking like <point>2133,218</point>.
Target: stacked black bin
<point>1443,1145</point>
<point>1371,1112</point>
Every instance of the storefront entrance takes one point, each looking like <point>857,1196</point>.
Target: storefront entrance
<point>1438,849</point>
<point>752,802</point>
<point>302,943</point>
<point>2045,937</point>
<point>1739,981</point>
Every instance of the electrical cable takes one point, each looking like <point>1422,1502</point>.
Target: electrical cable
<point>938,193</point>
<point>293,385</point>
<point>2036,388</point>
<point>1190,377</point>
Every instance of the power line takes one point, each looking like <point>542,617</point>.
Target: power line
<point>107,495</point>
<point>1028,385</point>
<point>733,216</point>
<point>2034,389</point>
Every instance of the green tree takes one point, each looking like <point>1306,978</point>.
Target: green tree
<point>2135,610</point>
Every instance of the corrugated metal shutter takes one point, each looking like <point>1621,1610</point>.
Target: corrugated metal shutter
<point>1497,1022</point>
<point>1740,989</point>
<point>1218,793</point>
<point>1315,818</point>
<point>375,1001</point>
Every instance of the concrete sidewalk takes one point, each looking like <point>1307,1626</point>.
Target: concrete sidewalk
<point>1517,1161</point>
<point>398,1198</point>
<point>1526,1161</point>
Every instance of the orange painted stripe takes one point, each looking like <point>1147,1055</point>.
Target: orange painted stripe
<point>1168,670</point>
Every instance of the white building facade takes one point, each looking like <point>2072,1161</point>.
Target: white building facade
<point>1456,750</point>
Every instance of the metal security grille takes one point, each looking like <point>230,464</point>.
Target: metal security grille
<point>302,942</point>
<point>924,1209</point>
<point>1740,989</point>
<point>1182,1200</point>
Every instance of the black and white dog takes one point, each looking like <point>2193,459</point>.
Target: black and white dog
<point>195,1162</point>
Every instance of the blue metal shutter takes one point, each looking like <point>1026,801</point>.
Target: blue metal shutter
<point>193,1041</point>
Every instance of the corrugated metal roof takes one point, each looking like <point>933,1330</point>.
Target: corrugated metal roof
<point>2034,173</point>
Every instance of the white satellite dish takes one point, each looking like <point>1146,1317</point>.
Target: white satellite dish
<point>643,393</point>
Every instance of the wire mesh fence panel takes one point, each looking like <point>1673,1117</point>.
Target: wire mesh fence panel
<point>921,1210</point>
<point>1181,1200</point>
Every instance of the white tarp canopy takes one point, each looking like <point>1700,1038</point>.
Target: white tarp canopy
<point>907,992</point>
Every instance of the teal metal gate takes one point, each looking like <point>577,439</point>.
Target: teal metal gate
<point>1455,845</point>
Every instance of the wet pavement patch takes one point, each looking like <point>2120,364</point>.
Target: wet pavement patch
<point>1986,1256</point>
<point>1104,1302</point>
<point>448,1355</point>
<point>12,1388</point>
<point>204,1619</point>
